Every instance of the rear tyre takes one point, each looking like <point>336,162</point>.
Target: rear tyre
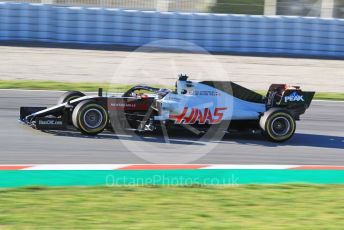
<point>68,96</point>
<point>277,125</point>
<point>90,117</point>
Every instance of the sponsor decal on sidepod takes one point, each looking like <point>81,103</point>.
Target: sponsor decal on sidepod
<point>196,115</point>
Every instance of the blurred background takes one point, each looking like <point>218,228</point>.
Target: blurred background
<point>260,41</point>
<point>314,8</point>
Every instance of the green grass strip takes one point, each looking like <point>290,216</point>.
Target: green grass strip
<point>63,86</point>
<point>92,87</point>
<point>287,206</point>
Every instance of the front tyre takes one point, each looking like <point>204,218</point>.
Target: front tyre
<point>277,125</point>
<point>90,117</point>
<point>68,96</point>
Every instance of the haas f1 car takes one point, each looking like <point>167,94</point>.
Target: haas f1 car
<point>192,105</point>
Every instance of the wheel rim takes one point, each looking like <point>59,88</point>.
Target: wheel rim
<point>93,118</point>
<point>280,126</point>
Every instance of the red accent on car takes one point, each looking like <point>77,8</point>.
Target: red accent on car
<point>179,118</point>
<point>196,115</point>
<point>191,116</point>
<point>121,105</point>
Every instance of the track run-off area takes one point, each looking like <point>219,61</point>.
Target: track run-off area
<point>145,67</point>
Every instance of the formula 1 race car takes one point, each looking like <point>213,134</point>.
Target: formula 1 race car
<point>197,106</point>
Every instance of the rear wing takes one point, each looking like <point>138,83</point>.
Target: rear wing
<point>292,98</point>
<point>297,97</point>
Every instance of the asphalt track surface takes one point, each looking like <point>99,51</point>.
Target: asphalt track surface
<point>319,140</point>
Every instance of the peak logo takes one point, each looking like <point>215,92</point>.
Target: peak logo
<point>294,97</point>
<point>196,115</point>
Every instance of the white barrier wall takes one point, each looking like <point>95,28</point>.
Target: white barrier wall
<point>214,32</point>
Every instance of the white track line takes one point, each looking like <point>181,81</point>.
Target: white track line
<point>250,166</point>
<point>161,167</point>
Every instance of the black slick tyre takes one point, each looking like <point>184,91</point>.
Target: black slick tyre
<point>90,117</point>
<point>68,96</point>
<point>277,125</point>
